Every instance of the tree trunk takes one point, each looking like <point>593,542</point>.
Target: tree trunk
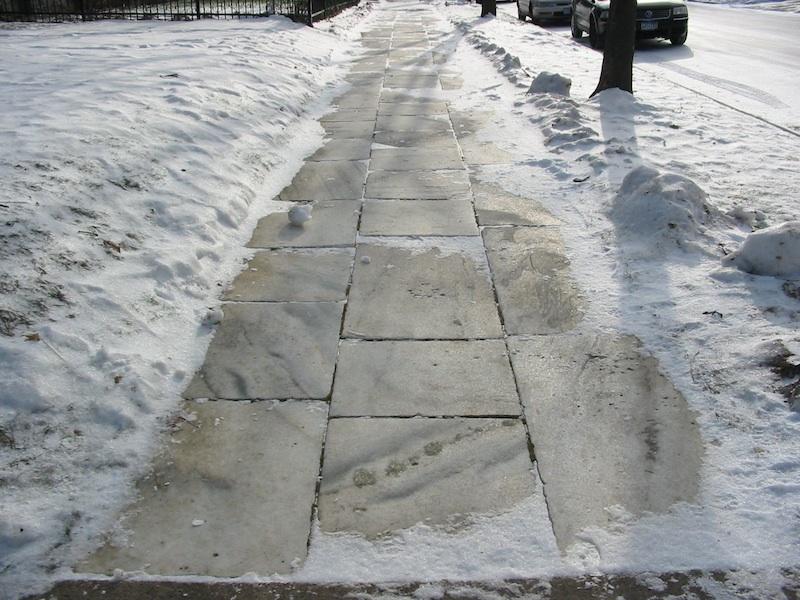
<point>620,42</point>
<point>488,7</point>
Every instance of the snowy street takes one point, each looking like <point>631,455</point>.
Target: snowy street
<point>390,307</point>
<point>746,58</point>
<point>749,59</point>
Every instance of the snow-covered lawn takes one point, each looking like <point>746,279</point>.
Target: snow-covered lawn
<point>135,158</point>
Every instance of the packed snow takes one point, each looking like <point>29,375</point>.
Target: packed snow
<point>550,83</point>
<point>654,210</point>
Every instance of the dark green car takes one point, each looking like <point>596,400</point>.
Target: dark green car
<point>668,19</point>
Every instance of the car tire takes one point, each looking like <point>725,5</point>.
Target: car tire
<point>520,14</point>
<point>596,40</point>
<point>530,12</point>
<point>679,39</point>
<point>577,32</point>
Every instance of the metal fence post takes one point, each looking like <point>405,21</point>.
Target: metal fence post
<point>310,13</point>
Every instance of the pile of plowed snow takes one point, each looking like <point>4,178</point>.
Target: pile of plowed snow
<point>661,210</point>
<point>774,251</point>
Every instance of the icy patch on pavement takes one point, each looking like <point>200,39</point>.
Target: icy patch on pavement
<point>774,251</point>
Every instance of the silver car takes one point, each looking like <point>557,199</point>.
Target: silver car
<point>544,10</point>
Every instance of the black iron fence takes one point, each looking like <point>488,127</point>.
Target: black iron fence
<point>305,11</point>
<point>324,9</point>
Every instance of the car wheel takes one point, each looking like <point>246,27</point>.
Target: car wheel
<point>534,20</point>
<point>679,39</point>
<point>577,33</point>
<point>596,40</point>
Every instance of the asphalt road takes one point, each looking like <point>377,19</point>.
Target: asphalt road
<point>746,58</point>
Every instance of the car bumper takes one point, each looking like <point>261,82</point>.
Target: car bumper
<point>665,29</point>
<point>552,12</point>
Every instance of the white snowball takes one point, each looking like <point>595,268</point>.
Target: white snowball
<point>299,214</point>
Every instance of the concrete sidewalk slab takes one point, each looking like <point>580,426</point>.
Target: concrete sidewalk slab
<point>382,475</point>
<point>412,108</point>
<point>531,273</point>
<point>468,124</point>
<point>331,180</point>
<point>407,96</point>
<point>407,159</point>
<point>609,429</point>
<point>408,378</point>
<point>356,99</point>
<point>496,206</point>
<point>418,185</point>
<point>361,130</point>
<point>414,123</point>
<point>410,52</point>
<point>333,223</point>
<point>405,73</point>
<point>343,149</point>
<point>483,153</point>
<point>350,114</point>
<point>451,82</point>
<point>273,351</point>
<point>421,292</point>
<point>418,217</point>
<point>297,276</point>
<point>415,139</point>
<point>412,82</point>
<point>231,494</point>
<point>411,62</point>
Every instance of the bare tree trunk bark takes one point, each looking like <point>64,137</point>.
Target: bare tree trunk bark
<point>488,7</point>
<point>620,42</point>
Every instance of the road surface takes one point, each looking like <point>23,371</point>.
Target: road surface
<point>746,58</point>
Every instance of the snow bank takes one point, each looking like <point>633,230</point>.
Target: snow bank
<point>135,158</point>
<point>508,64</point>
<point>774,251</point>
<point>550,83</point>
<point>660,210</point>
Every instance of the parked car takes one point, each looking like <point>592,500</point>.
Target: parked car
<point>544,10</point>
<point>667,19</point>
